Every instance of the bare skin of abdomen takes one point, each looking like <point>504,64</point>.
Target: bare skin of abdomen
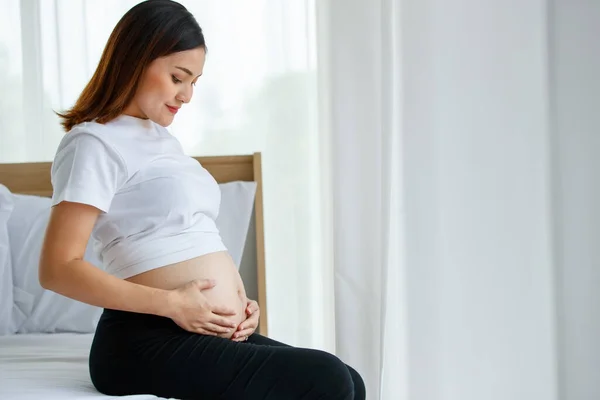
<point>228,292</point>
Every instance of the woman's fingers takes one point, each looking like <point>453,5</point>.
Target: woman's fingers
<point>247,327</point>
<point>223,310</point>
<point>242,335</point>
<point>218,328</point>
<point>252,307</point>
<point>224,322</point>
<point>250,323</point>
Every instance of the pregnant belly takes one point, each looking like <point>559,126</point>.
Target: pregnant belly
<point>228,291</point>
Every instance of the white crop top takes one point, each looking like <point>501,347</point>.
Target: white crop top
<point>159,205</point>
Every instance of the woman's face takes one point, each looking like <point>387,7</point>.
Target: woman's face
<point>167,83</point>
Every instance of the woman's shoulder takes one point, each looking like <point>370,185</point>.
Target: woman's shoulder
<point>90,136</point>
<point>92,142</point>
<point>121,135</point>
<point>103,132</point>
<point>87,168</point>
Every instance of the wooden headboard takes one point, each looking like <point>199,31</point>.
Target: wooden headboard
<point>34,179</point>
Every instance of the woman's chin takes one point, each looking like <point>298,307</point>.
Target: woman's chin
<point>163,119</point>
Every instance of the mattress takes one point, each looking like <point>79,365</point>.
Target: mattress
<point>49,367</point>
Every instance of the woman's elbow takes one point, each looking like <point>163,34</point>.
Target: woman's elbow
<point>46,275</point>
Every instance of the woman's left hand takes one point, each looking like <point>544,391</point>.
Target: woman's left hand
<point>247,328</point>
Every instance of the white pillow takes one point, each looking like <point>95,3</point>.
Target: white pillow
<point>6,290</point>
<point>237,203</point>
<point>39,310</point>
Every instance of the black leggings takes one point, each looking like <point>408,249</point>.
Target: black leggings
<point>147,354</point>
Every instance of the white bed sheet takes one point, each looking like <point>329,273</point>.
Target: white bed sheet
<point>49,367</point>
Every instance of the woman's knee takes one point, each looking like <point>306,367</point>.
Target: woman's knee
<point>334,376</point>
<point>360,391</point>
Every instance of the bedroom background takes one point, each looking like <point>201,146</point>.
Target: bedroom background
<point>258,93</point>
<point>431,212</point>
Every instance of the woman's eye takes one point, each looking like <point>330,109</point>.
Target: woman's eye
<point>175,80</point>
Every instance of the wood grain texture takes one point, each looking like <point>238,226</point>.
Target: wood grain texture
<point>27,178</point>
<point>34,179</point>
<point>260,245</point>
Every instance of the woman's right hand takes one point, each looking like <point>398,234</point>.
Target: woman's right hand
<point>193,312</point>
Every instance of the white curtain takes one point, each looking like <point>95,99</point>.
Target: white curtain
<point>258,93</point>
<point>442,185</point>
<point>359,54</point>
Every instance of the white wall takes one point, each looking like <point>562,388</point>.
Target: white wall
<point>575,61</point>
<point>477,139</point>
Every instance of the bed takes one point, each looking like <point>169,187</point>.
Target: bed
<point>52,366</point>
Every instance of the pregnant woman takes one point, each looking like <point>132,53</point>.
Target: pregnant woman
<point>176,320</point>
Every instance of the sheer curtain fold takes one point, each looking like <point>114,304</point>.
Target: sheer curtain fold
<point>423,123</point>
<point>363,88</point>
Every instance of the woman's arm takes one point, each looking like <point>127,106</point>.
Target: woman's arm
<point>63,270</point>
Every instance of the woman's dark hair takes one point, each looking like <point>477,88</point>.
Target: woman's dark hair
<point>151,29</point>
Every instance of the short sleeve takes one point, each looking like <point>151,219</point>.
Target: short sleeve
<point>87,170</point>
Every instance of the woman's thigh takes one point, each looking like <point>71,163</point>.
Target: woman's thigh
<point>167,361</point>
